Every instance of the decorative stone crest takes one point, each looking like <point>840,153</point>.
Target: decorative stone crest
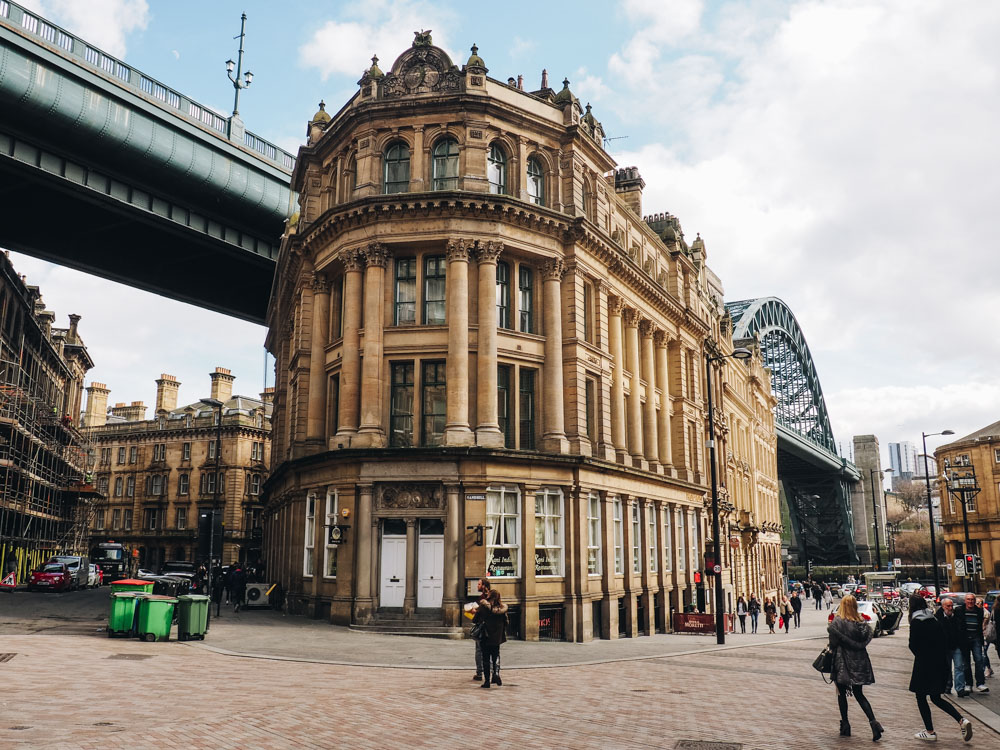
<point>458,250</point>
<point>422,69</point>
<point>410,497</point>
<point>376,254</point>
<point>489,252</point>
<point>553,269</point>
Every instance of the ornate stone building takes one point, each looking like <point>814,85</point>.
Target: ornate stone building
<point>162,478</point>
<point>971,465</point>
<point>488,363</point>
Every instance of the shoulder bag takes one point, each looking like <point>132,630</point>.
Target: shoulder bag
<point>478,630</point>
<point>824,663</point>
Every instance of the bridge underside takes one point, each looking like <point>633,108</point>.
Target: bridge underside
<point>83,219</point>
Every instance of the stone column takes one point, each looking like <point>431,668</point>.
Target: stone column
<point>554,433</point>
<point>316,415</point>
<point>609,602</point>
<point>661,340</point>
<point>410,597</point>
<point>350,365</point>
<point>456,428</point>
<point>615,307</point>
<point>488,428</point>
<point>649,432</point>
<point>417,161</point>
<point>371,433</point>
<point>631,317</point>
<point>452,594</point>
<point>530,609</point>
<point>363,604</point>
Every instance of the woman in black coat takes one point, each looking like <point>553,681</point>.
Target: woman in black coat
<point>930,668</point>
<point>492,613</point>
<point>849,639</point>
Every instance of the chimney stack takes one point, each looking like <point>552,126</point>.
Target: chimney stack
<point>166,393</point>
<point>545,79</point>
<point>134,412</point>
<point>96,413</point>
<point>267,395</point>
<point>222,384</point>
<point>73,336</point>
<point>629,185</point>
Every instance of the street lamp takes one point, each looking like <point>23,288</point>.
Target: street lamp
<point>216,404</point>
<point>720,618</point>
<point>878,554</point>
<point>247,77</point>
<point>930,509</point>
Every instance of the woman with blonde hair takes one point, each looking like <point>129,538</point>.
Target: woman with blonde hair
<point>852,668</point>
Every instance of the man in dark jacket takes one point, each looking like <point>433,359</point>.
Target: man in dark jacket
<point>953,627</point>
<point>796,609</point>
<point>970,619</point>
<point>818,595</point>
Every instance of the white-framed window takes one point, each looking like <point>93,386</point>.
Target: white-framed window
<point>503,521</point>
<point>594,547</point>
<point>128,519</point>
<point>156,484</point>
<point>116,519</point>
<point>310,535</point>
<point>693,516</point>
<point>668,533</point>
<point>330,553</point>
<point>183,484</point>
<point>549,532</point>
<point>255,484</point>
<point>680,514</point>
<point>130,486</point>
<point>257,452</point>
<point>619,536</point>
<point>211,450</point>
<point>654,534</point>
<point>99,518</point>
<point>186,452</point>
<point>121,454</point>
<point>133,454</point>
<point>970,502</point>
<point>951,503</point>
<point>119,486</point>
<point>636,539</point>
<point>180,518</point>
<point>996,455</point>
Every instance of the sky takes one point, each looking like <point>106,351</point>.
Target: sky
<point>841,155</point>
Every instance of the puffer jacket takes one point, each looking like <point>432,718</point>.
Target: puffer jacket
<point>849,642</point>
<point>494,622</point>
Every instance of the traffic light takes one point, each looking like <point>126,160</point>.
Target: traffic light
<point>697,576</point>
<point>970,565</point>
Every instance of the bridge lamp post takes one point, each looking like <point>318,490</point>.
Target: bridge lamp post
<point>930,509</point>
<point>878,553</point>
<point>238,65</point>
<point>720,616</point>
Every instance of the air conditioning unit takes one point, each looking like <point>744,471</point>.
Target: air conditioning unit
<point>257,595</point>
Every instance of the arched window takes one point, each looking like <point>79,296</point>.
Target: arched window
<point>351,178</point>
<point>445,166</point>
<point>536,182</point>
<point>396,169</point>
<point>588,200</point>
<point>496,170</point>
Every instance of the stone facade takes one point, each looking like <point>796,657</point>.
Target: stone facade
<point>488,363</point>
<point>159,474</point>
<point>868,459</point>
<point>978,452</point>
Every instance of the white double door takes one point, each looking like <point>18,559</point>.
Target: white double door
<point>430,571</point>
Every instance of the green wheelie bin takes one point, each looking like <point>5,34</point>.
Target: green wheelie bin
<point>192,617</point>
<point>132,584</point>
<point>121,616</point>
<point>156,615</point>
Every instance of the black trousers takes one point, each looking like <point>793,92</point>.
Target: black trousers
<point>798,617</point>
<point>937,700</point>
<point>491,656</point>
<point>743,623</point>
<point>859,696</point>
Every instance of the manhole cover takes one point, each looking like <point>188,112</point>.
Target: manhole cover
<point>707,745</point>
<point>131,657</point>
<point>7,657</point>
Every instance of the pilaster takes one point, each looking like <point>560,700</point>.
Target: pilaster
<point>456,429</point>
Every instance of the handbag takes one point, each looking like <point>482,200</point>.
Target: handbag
<point>990,631</point>
<point>478,630</point>
<point>781,622</point>
<point>824,663</point>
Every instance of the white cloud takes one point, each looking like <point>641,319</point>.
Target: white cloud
<point>844,159</point>
<point>660,23</point>
<point>588,87</point>
<point>383,27</point>
<point>176,54</point>
<point>103,23</point>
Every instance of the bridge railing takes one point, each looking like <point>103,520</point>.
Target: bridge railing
<point>88,56</point>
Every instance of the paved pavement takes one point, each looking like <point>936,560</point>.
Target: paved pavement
<point>70,687</point>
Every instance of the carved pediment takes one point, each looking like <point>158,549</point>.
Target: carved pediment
<point>422,69</point>
<point>410,497</point>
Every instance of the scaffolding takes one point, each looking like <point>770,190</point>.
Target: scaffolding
<point>46,495</point>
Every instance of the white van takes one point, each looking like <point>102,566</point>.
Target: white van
<point>79,569</point>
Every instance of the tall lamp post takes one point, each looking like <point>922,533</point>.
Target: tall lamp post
<point>878,553</point>
<point>237,83</point>
<point>720,617</point>
<point>930,508</point>
<point>217,405</point>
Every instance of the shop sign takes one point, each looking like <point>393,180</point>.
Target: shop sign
<point>477,496</point>
<point>696,622</point>
<point>546,563</point>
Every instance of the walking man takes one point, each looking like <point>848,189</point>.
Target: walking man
<point>818,596</point>
<point>953,634</point>
<point>971,643</point>
<point>797,609</point>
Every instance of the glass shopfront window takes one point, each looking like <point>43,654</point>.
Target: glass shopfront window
<point>503,521</point>
<point>549,532</point>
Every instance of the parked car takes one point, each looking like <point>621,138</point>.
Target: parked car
<point>179,568</point>
<point>990,598</point>
<point>52,576</point>
<point>147,575</point>
<point>835,589</point>
<point>93,576</point>
<point>882,618</point>
<point>78,566</point>
<point>850,588</point>
<point>910,588</point>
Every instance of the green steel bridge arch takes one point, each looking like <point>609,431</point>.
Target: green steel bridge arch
<point>106,169</point>
<point>815,482</point>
